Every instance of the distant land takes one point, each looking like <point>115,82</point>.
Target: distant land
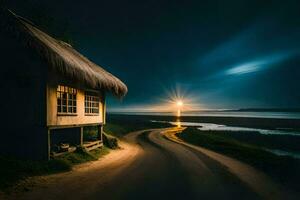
<point>267,110</point>
<point>249,110</point>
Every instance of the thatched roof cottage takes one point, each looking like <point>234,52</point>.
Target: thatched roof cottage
<point>50,91</point>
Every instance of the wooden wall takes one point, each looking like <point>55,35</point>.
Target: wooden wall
<point>53,119</point>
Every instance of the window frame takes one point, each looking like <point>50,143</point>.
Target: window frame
<point>66,94</point>
<point>90,99</point>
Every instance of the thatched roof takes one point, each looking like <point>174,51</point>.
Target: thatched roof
<point>63,58</point>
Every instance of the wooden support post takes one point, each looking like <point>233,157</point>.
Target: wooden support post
<point>103,109</point>
<point>100,132</point>
<point>81,135</point>
<point>49,143</point>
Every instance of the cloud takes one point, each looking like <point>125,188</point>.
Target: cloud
<point>255,48</point>
<point>259,64</point>
<point>244,69</point>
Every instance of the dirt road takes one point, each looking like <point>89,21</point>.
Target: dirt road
<point>153,164</point>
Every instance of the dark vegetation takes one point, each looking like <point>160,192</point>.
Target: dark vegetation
<point>281,142</point>
<point>91,133</point>
<point>110,141</point>
<point>13,170</point>
<point>120,125</point>
<point>283,169</point>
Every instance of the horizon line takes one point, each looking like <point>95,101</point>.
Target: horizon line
<point>274,109</point>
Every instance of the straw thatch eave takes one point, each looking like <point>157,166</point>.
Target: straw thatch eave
<point>61,57</point>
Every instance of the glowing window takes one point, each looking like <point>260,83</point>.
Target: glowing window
<point>91,103</point>
<point>66,100</point>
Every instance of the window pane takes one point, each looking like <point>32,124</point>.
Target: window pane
<point>64,95</point>
<point>91,102</point>
<point>66,99</point>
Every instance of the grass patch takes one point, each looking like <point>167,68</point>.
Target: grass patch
<point>281,168</point>
<point>117,129</point>
<point>13,170</point>
<point>82,156</point>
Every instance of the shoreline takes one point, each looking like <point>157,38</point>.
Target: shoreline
<point>257,130</point>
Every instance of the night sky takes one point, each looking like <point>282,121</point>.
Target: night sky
<point>223,54</point>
